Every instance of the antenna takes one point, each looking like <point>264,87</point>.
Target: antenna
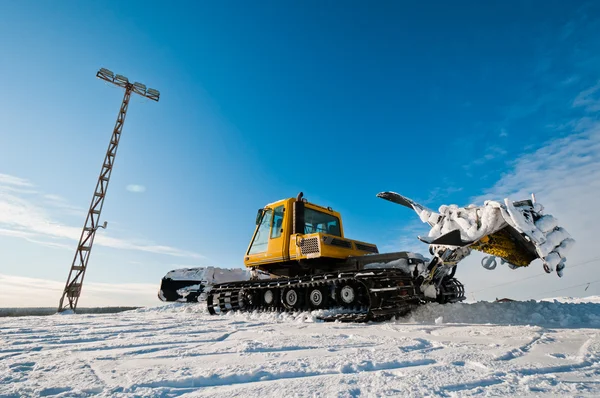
<point>92,222</point>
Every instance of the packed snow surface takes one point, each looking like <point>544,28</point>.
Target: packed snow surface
<point>514,349</point>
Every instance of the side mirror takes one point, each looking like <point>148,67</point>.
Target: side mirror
<point>259,215</point>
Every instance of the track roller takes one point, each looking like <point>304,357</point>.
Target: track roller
<point>293,298</point>
<point>317,297</point>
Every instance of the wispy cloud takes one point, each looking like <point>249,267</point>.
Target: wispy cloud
<point>24,217</point>
<point>588,99</point>
<point>136,188</point>
<point>34,238</point>
<point>14,184</point>
<point>570,80</point>
<point>440,193</point>
<point>16,292</point>
<point>55,198</point>
<point>61,203</point>
<point>6,179</point>
<point>560,166</point>
<point>490,152</point>
<point>564,174</point>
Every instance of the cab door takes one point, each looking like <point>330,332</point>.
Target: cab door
<point>278,239</point>
<point>270,242</point>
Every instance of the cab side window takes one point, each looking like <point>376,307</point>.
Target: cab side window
<point>316,221</point>
<point>277,222</point>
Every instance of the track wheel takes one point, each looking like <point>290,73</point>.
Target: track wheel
<point>270,297</point>
<point>248,299</point>
<point>317,297</point>
<point>347,295</point>
<point>291,298</point>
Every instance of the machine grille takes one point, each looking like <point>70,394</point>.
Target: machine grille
<point>366,248</point>
<point>309,245</point>
<point>341,243</point>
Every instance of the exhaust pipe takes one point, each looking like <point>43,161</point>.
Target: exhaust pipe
<point>298,223</point>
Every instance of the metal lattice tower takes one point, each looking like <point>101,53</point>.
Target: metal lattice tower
<point>92,222</point>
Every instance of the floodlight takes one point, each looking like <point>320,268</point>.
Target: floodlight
<point>152,94</point>
<point>140,87</point>
<point>107,73</point>
<point>121,79</point>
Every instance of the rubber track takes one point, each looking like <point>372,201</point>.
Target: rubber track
<point>382,294</point>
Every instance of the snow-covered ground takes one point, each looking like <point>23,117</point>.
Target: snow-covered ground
<point>516,349</point>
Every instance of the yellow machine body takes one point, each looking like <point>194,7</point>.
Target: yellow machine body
<point>292,235</point>
<point>508,245</point>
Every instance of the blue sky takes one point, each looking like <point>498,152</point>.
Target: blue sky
<point>443,102</point>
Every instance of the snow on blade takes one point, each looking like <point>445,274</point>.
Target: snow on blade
<point>551,241</point>
<point>210,275</point>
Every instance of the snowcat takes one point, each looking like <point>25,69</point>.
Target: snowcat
<point>300,259</point>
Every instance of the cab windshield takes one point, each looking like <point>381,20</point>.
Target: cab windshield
<point>261,238</point>
<point>316,221</point>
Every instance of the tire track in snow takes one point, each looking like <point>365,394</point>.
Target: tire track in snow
<point>265,376</point>
<point>524,349</point>
<point>269,350</point>
<point>224,336</point>
<point>94,390</point>
<point>471,385</point>
<point>553,369</point>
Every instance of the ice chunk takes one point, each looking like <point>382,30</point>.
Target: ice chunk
<point>433,218</point>
<point>553,239</point>
<point>429,291</point>
<point>552,260</point>
<point>560,267</point>
<point>522,223</point>
<point>185,291</point>
<point>407,264</point>
<point>546,223</point>
<point>424,215</point>
<point>565,246</point>
<point>401,263</point>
